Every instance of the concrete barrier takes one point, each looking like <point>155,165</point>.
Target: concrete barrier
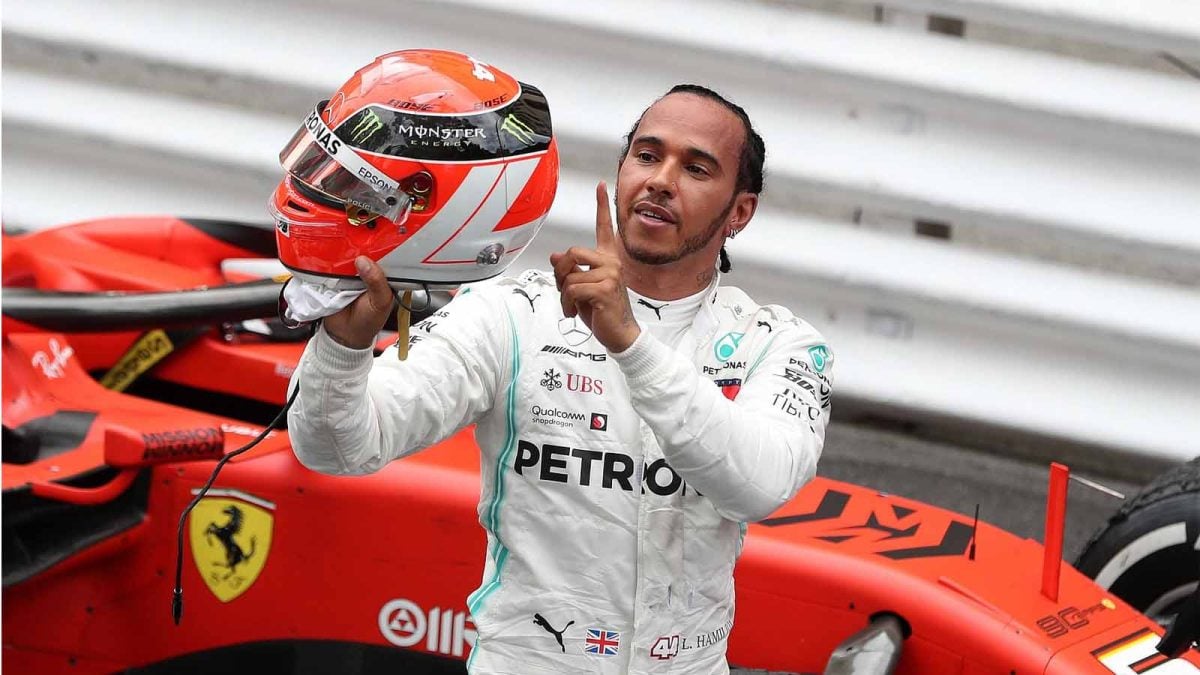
<point>1057,295</point>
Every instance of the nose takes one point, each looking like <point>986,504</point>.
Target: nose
<point>663,179</point>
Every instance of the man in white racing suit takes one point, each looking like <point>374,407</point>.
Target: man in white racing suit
<point>633,414</point>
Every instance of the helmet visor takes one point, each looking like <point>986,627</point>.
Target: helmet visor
<point>317,157</point>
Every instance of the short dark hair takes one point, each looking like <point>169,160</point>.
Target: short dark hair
<point>754,151</point>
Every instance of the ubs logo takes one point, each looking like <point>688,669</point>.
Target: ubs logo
<point>584,384</point>
<point>551,380</point>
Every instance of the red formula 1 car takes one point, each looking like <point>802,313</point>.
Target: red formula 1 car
<point>115,407</point>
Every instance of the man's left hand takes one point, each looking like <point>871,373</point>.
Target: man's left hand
<point>597,295</point>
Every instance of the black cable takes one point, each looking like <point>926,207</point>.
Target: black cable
<point>177,595</point>
<point>413,310</point>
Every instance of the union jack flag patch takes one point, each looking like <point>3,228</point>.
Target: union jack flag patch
<point>602,642</point>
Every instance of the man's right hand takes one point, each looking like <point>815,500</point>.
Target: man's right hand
<point>357,325</point>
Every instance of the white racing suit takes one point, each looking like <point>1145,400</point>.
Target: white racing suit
<point>615,488</point>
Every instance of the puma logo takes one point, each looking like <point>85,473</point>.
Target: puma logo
<point>767,325</point>
<point>657,310</point>
<point>541,621</point>
<point>521,292</point>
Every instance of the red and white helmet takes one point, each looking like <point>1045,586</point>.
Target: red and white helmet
<point>438,166</point>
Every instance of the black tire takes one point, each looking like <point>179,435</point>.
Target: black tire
<point>1147,554</point>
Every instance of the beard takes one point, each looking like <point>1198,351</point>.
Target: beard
<point>690,245</point>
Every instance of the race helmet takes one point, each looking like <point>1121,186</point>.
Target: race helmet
<point>437,165</point>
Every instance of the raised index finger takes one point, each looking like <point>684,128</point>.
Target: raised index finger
<point>605,240</point>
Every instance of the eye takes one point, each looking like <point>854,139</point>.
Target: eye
<point>698,169</point>
<point>645,156</point>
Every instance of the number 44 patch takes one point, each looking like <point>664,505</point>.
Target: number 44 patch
<point>1136,654</point>
<point>665,648</point>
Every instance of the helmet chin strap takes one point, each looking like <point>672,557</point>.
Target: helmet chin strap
<point>403,318</point>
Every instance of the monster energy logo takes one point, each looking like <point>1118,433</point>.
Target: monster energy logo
<point>366,127</point>
<point>517,128</point>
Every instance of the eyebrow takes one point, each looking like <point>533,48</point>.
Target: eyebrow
<point>691,151</point>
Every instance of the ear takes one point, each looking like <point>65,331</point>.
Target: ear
<point>744,206</point>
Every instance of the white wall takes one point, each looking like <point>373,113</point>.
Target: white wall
<point>1064,304</point>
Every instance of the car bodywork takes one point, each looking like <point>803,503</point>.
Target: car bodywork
<point>285,569</point>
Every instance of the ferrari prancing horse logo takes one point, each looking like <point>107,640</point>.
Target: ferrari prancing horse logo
<point>230,536</point>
